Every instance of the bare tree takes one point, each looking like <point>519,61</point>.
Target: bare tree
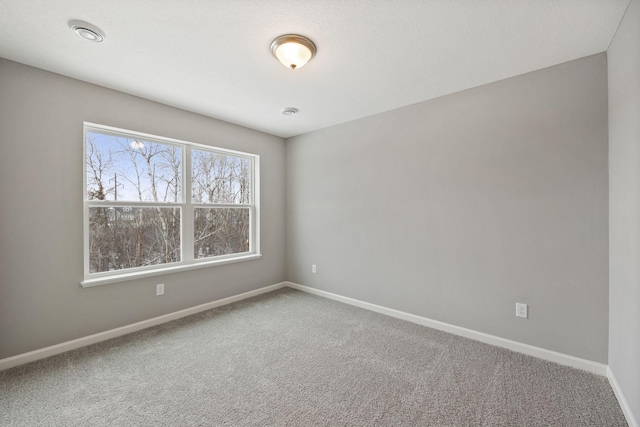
<point>219,178</point>
<point>126,237</point>
<point>100,242</point>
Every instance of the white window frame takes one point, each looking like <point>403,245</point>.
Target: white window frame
<point>187,206</point>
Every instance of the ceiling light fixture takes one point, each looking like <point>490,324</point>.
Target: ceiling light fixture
<point>292,50</point>
<point>289,111</point>
<point>86,31</point>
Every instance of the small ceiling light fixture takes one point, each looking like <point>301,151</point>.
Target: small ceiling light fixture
<point>293,50</point>
<point>289,111</point>
<point>86,31</point>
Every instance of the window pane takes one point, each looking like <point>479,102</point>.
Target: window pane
<point>126,237</point>
<point>220,231</point>
<point>219,178</point>
<point>119,168</point>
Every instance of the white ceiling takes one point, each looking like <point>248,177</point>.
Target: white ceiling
<point>212,56</point>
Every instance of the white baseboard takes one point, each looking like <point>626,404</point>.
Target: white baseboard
<point>563,359</point>
<point>530,350</point>
<point>541,353</point>
<point>631,420</point>
<point>42,353</point>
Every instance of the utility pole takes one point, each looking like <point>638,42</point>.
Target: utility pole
<point>115,186</point>
<point>115,197</point>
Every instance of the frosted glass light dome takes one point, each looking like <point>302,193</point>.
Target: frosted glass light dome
<point>293,51</point>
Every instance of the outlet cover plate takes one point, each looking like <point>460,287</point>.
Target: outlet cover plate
<point>522,310</point>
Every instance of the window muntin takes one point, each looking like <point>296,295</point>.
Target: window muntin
<point>140,214</point>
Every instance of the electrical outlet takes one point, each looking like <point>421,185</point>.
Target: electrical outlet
<point>160,289</point>
<point>313,268</point>
<point>521,310</point>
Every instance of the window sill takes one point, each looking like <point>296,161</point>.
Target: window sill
<point>166,270</point>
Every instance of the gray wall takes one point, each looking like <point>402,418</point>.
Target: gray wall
<point>459,207</point>
<point>453,209</point>
<point>41,167</point>
<point>624,206</point>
